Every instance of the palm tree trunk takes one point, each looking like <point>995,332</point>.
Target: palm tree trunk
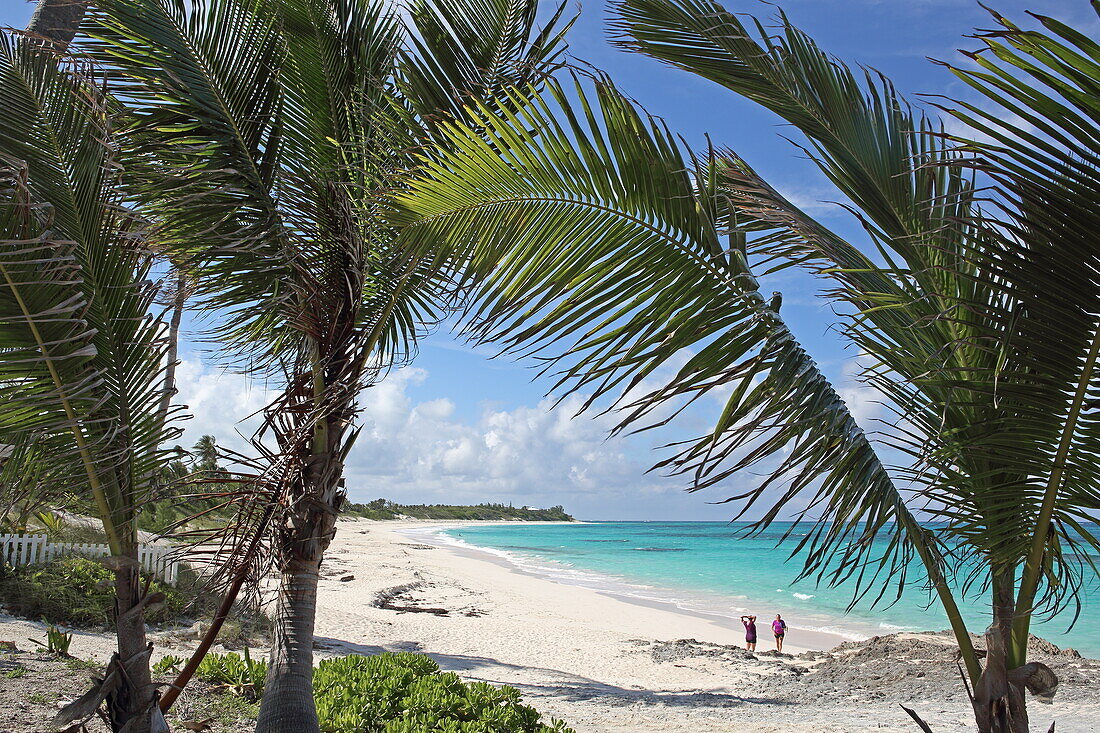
<point>287,703</point>
<point>999,702</point>
<point>58,20</point>
<point>131,703</point>
<point>172,357</point>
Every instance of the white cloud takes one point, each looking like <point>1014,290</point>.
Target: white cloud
<point>536,454</point>
<point>816,198</point>
<point>864,401</point>
<point>419,452</point>
<point>424,452</point>
<point>222,403</point>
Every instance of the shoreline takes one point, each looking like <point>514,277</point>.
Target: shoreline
<point>813,638</point>
<point>800,638</point>
<point>605,663</point>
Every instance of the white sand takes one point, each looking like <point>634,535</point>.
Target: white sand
<point>584,656</point>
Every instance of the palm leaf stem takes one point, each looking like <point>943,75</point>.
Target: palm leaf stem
<point>317,368</point>
<point>916,535</point>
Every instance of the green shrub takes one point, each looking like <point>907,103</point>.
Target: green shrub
<point>75,591</point>
<point>391,693</point>
<point>79,591</point>
<point>240,675</point>
<point>406,693</point>
<point>381,509</point>
<point>168,664</point>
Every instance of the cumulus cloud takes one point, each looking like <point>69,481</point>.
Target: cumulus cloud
<point>425,452</point>
<point>220,402</point>
<point>864,401</point>
<point>420,452</point>
<point>534,454</point>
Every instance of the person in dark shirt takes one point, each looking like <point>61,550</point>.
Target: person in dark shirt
<point>750,632</point>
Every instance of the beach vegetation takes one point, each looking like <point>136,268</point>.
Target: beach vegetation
<point>29,487</point>
<point>398,692</point>
<point>58,641</point>
<point>78,592</point>
<point>236,673</point>
<point>74,591</point>
<point>82,376</point>
<point>381,509</point>
<point>973,303</point>
<point>82,665</point>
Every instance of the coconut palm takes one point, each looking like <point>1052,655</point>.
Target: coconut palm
<point>29,484</point>
<point>205,453</point>
<point>590,236</point>
<point>271,126</point>
<point>81,355</point>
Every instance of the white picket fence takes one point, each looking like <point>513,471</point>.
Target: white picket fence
<point>16,549</point>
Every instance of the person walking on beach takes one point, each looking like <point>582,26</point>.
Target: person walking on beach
<point>779,628</point>
<point>750,632</point>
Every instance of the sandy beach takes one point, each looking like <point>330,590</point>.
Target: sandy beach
<point>605,664</point>
<point>591,658</point>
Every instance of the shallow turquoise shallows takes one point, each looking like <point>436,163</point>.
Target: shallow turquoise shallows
<point>707,567</point>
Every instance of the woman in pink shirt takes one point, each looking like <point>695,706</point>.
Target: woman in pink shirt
<point>779,628</point>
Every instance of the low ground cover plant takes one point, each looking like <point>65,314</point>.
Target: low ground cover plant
<point>75,591</point>
<point>386,693</point>
<point>58,641</point>
<point>79,592</point>
<point>230,672</point>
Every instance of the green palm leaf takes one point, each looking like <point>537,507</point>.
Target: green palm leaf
<point>82,354</point>
<point>982,325</point>
<point>654,280</point>
<point>1047,175</point>
<point>207,146</point>
<point>265,132</point>
<point>461,50</point>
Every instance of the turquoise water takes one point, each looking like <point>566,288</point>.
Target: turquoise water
<point>706,567</point>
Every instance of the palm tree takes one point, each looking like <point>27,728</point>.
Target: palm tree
<point>82,356</point>
<point>271,126</point>
<point>979,320</point>
<point>29,484</point>
<point>206,454</point>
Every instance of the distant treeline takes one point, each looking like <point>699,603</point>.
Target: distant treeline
<point>385,509</point>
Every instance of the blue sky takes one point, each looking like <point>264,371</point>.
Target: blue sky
<point>457,427</point>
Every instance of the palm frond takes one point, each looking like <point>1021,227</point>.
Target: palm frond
<point>205,145</point>
<point>986,370</point>
<point>593,239</point>
<point>83,358</point>
<point>923,312</point>
<point>1040,129</point>
<point>463,49</point>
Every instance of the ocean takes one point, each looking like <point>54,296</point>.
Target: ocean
<point>705,567</point>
